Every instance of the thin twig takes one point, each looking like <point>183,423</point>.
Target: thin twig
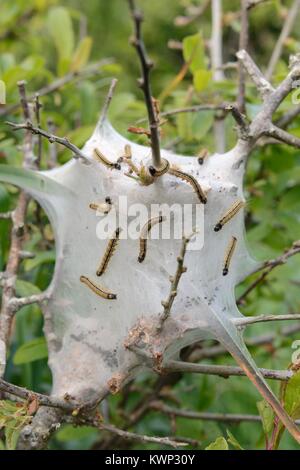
<point>285,32</point>
<point>77,153</point>
<point>243,45</point>
<point>52,160</point>
<point>265,318</point>
<point>174,280</point>
<point>218,73</point>
<point>193,13</point>
<point>144,82</point>
<point>107,102</point>
<point>262,84</point>
<point>37,109</point>
<point>222,371</point>
<point>221,417</point>
<point>6,215</point>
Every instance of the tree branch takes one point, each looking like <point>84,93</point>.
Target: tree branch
<point>107,102</point>
<point>77,153</point>
<point>243,45</point>
<point>222,371</point>
<point>285,32</point>
<point>144,82</point>
<point>263,86</point>
<point>265,318</point>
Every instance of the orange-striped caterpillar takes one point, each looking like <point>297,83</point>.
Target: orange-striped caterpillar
<point>111,246</point>
<point>228,255</point>
<point>102,159</point>
<point>104,207</point>
<point>97,289</point>
<point>202,156</point>
<point>234,209</point>
<point>164,168</point>
<point>144,233</point>
<point>192,181</point>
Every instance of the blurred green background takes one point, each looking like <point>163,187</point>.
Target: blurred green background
<point>42,40</point>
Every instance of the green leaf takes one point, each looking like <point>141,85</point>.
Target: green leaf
<point>11,438</point>
<point>40,258</point>
<point>233,441</point>
<point>82,54</point>
<point>219,444</point>
<point>61,29</point>
<point>194,52</point>
<point>202,78</point>
<point>267,416</point>
<point>292,396</point>
<point>31,351</point>
<point>25,288</point>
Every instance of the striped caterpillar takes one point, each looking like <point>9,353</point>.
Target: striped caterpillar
<point>102,207</point>
<point>102,159</point>
<point>228,255</point>
<point>97,289</point>
<point>234,209</point>
<point>164,168</point>
<point>192,181</point>
<point>111,246</point>
<point>144,233</point>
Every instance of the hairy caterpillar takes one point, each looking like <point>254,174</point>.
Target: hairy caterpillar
<point>234,209</point>
<point>164,168</point>
<point>102,207</point>
<point>228,255</point>
<point>144,233</point>
<point>111,246</point>
<point>97,289</point>
<point>101,158</point>
<point>202,156</point>
<point>192,181</point>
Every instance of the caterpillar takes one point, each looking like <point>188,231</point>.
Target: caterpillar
<point>102,159</point>
<point>234,209</point>
<point>97,289</point>
<point>202,156</point>
<point>192,181</point>
<point>127,151</point>
<point>144,233</point>
<point>228,255</point>
<point>111,246</point>
<point>102,207</point>
<point>164,168</point>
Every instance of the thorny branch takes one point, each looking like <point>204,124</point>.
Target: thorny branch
<point>144,83</point>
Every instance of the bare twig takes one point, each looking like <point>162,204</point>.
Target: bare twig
<point>77,153</point>
<point>288,118</point>
<point>131,436</point>
<point>265,318</point>
<point>221,417</point>
<point>144,82</point>
<point>93,69</point>
<point>37,109</point>
<point>191,109</point>
<point>283,136</point>
<point>174,280</point>
<point>218,74</point>
<point>222,371</point>
<point>262,84</point>
<point>52,160</point>
<point>6,215</point>
<point>107,102</point>
<point>17,303</point>
<point>243,45</point>
<point>285,32</point>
